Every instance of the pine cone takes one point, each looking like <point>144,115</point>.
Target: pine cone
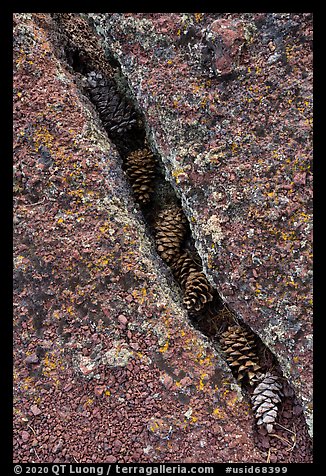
<point>265,398</point>
<point>140,169</point>
<point>115,112</point>
<point>239,346</point>
<point>197,290</point>
<point>170,229</point>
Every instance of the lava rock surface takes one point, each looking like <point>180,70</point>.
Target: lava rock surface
<point>107,367</point>
<point>228,101</point>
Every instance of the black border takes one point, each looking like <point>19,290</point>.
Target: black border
<point>6,356</point>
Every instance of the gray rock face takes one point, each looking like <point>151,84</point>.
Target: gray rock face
<point>228,102</point>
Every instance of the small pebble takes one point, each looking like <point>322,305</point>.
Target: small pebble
<point>35,410</point>
<point>25,435</point>
<point>32,359</point>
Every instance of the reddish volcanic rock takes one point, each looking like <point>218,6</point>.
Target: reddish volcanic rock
<point>238,150</point>
<point>83,259</point>
<point>227,38</point>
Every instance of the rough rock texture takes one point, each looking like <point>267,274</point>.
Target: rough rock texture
<point>106,365</point>
<point>228,101</point>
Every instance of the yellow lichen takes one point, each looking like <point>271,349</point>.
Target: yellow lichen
<point>27,383</point>
<point>165,347</point>
<point>43,137</point>
<point>218,413</point>
<point>153,426</point>
<point>177,173</point>
<point>201,384</point>
<point>205,360</point>
<point>89,401</point>
<point>56,314</point>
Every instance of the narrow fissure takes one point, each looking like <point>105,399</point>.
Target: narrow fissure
<point>279,420</point>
